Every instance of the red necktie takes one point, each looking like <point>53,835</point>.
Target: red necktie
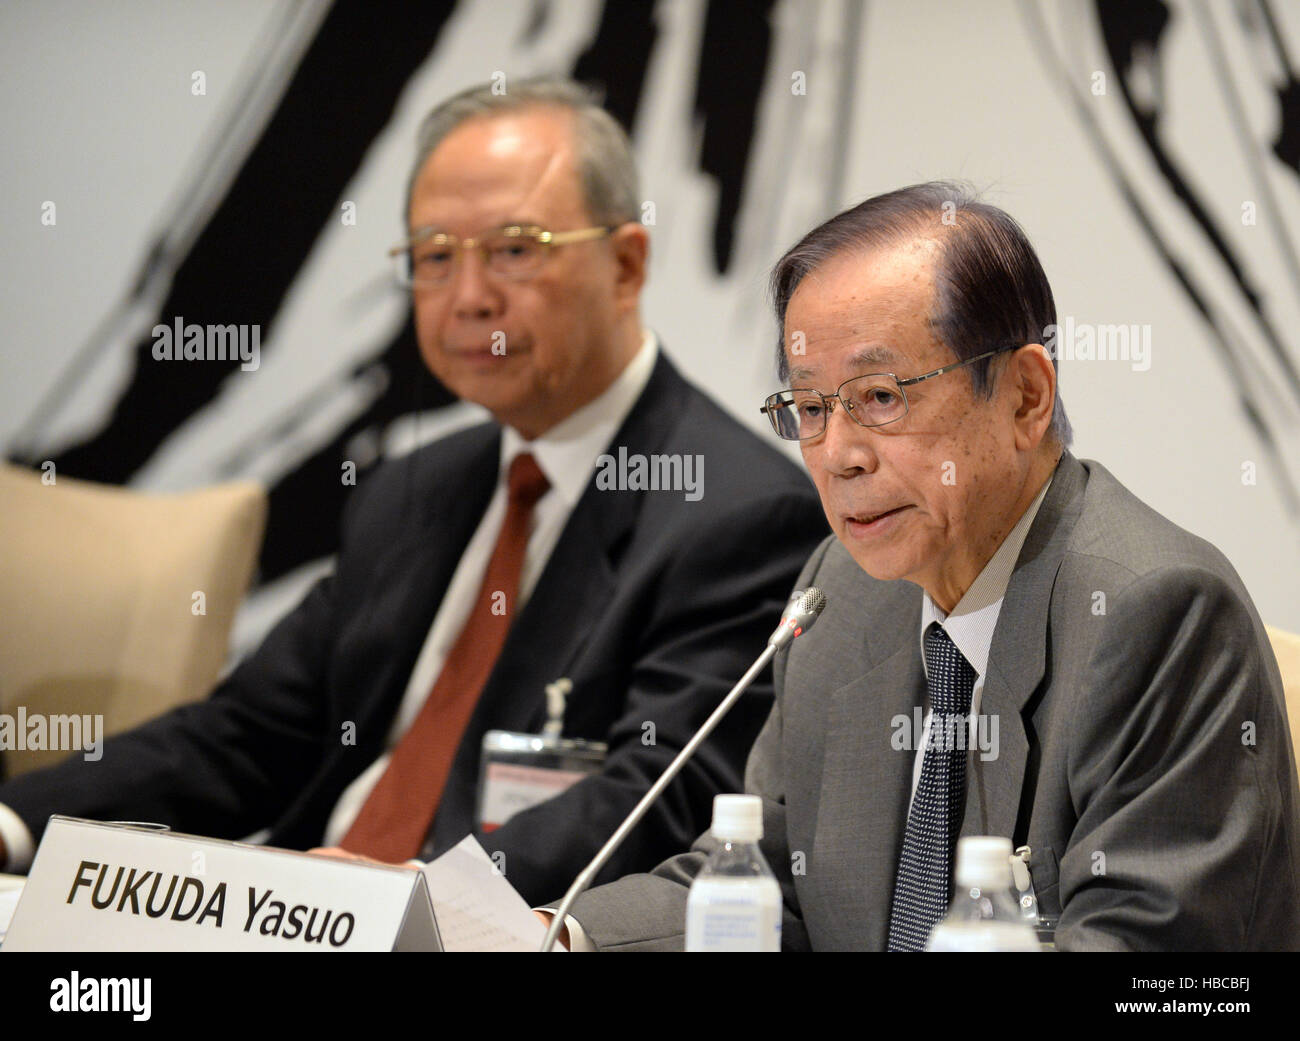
<point>397,815</point>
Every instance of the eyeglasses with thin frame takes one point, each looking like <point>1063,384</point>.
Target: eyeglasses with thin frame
<point>516,251</point>
<point>872,400</point>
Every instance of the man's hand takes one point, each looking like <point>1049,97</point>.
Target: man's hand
<point>339,853</point>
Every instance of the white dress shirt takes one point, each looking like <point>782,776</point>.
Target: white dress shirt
<point>567,455</point>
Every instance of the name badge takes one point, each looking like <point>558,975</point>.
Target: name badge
<point>109,887</point>
<point>519,771</point>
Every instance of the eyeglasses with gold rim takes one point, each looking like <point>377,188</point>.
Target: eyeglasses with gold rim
<point>513,251</point>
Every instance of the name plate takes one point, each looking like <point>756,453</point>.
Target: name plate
<point>115,887</point>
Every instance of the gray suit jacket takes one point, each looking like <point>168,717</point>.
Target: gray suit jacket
<point>1143,748</point>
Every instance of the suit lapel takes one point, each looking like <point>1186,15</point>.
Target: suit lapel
<point>553,627</point>
<point>865,789</point>
<point>411,579</point>
<point>377,647</point>
<point>866,780</point>
<point>1017,658</point>
<point>551,631</point>
<point>580,576</point>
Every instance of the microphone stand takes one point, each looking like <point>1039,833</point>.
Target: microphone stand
<point>583,881</point>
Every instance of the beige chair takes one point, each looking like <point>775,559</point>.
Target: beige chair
<point>98,606</point>
<point>1286,647</point>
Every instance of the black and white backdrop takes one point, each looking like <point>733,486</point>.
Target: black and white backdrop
<point>244,162</point>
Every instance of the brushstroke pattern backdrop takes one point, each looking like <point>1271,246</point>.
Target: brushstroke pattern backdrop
<point>244,163</point>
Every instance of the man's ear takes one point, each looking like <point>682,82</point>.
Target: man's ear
<point>631,245</point>
<point>1033,380</point>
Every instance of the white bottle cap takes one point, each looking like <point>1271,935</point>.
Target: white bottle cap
<point>984,862</point>
<point>737,818</point>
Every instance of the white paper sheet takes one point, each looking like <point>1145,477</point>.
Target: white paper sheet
<point>476,906</point>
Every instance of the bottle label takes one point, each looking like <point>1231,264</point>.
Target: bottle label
<point>734,914</point>
<point>949,937</point>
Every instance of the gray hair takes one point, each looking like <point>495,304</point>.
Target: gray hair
<point>606,165</point>
<point>990,290</point>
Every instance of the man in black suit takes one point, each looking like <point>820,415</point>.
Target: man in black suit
<point>647,589</point>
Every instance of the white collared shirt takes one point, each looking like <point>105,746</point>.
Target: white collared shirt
<point>970,625</point>
<point>567,455</point>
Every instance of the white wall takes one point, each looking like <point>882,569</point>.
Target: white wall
<point>97,115</point>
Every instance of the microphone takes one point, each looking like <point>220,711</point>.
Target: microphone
<point>800,613</point>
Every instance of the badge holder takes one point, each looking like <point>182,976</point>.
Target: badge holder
<point>1043,925</point>
<point>520,771</point>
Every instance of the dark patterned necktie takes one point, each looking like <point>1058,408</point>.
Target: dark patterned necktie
<point>925,867</point>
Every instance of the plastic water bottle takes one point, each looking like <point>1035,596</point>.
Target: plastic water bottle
<point>984,915</point>
<point>735,902</point>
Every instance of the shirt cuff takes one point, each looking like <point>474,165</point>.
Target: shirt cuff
<point>18,841</point>
<point>579,941</point>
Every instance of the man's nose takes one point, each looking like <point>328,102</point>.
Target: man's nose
<point>473,293</point>
<point>848,447</point>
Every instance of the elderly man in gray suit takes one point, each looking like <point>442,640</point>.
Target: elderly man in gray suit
<point>1126,715</point>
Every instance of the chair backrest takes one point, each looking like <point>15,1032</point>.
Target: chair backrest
<point>1286,647</point>
<point>115,603</point>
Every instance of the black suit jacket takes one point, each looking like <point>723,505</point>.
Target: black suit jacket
<point>652,605</point>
